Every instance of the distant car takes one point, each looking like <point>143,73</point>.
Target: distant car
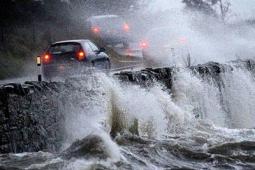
<point>65,58</point>
<point>111,29</point>
<point>163,46</point>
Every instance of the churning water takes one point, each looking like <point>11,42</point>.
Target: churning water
<point>202,122</point>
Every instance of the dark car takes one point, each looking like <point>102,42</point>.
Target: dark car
<point>70,57</point>
<point>164,46</point>
<point>114,33</point>
<point>111,29</point>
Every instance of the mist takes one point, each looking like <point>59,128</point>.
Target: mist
<point>209,38</point>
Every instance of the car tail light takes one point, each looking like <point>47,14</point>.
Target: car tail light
<point>46,59</point>
<point>95,30</point>
<point>144,44</point>
<point>126,27</point>
<point>81,55</point>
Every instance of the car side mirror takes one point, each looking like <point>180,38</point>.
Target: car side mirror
<point>102,49</point>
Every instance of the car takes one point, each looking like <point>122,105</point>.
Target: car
<point>108,29</point>
<point>65,58</point>
<point>164,46</point>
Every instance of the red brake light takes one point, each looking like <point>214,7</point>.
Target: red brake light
<point>95,30</point>
<point>81,55</point>
<point>144,44</point>
<point>126,27</point>
<point>46,58</point>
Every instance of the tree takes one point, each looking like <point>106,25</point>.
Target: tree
<point>208,7</point>
<point>224,9</point>
<point>201,5</point>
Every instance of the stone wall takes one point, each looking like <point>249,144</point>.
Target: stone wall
<point>30,114</point>
<point>29,117</point>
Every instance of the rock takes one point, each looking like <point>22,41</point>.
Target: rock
<point>23,112</point>
<point>91,146</point>
<point>149,76</point>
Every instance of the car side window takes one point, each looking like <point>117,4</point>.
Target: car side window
<point>88,48</point>
<point>93,46</point>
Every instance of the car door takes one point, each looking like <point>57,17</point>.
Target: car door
<point>99,60</point>
<point>99,55</point>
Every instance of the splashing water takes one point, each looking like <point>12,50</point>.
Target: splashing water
<point>177,128</point>
<point>208,39</point>
<point>201,122</point>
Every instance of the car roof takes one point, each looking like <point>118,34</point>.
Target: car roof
<point>72,41</point>
<point>101,17</point>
